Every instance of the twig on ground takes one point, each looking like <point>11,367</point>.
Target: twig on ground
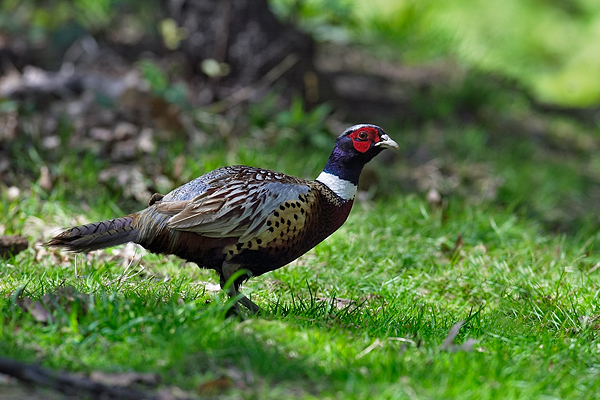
<point>70,384</point>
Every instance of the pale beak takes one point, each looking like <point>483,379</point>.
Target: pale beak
<point>387,143</point>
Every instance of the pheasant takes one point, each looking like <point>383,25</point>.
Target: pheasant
<point>241,218</point>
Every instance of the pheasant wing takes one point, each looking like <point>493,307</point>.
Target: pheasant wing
<point>235,207</point>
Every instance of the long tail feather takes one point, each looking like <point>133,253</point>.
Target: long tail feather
<point>98,235</point>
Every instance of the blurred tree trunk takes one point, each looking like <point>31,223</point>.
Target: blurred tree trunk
<point>255,46</point>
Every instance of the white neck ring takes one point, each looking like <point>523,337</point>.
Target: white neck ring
<point>341,187</point>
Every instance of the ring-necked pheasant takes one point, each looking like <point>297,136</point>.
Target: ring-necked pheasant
<point>240,217</point>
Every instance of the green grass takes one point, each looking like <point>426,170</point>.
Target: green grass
<point>530,299</point>
<point>365,314</point>
<point>547,46</point>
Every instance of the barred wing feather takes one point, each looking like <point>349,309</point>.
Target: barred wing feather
<point>239,208</point>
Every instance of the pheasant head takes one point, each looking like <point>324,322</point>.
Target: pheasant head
<point>353,149</point>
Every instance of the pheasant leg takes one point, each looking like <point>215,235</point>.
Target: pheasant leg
<point>249,304</point>
<point>232,290</point>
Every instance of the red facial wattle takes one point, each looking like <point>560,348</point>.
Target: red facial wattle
<point>363,144</point>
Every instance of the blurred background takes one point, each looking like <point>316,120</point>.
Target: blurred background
<point>494,103</point>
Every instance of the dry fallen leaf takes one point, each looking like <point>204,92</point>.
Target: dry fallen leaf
<point>36,309</point>
<point>178,166</point>
<point>125,379</point>
<point>434,198</point>
<point>338,303</point>
<point>63,298</point>
<point>448,344</point>
<point>45,178</point>
<point>209,286</point>
<point>216,386</point>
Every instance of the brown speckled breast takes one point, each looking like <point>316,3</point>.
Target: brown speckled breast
<point>293,229</point>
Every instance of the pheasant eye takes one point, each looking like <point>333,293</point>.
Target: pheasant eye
<point>362,135</point>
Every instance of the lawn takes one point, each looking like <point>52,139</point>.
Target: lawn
<point>364,315</point>
<point>469,267</point>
